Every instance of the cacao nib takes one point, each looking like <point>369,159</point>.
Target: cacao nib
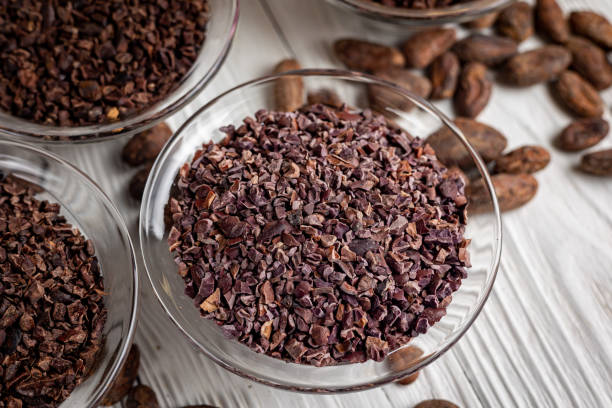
<point>333,214</point>
<point>51,300</point>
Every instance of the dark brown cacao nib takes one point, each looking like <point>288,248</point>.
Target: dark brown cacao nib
<point>319,236</point>
<point>516,21</point>
<point>52,311</point>
<point>487,141</point>
<point>512,191</point>
<point>525,159</point>
<point>71,63</point>
<point>425,46</point>
<point>597,163</point>
<point>582,134</point>
<point>367,56</point>
<point>381,98</point>
<point>551,21</point>
<point>487,49</point>
<point>473,90</point>
<point>539,65</point>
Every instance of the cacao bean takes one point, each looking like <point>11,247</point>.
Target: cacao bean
<point>512,191</point>
<point>138,183</point>
<point>436,403</point>
<point>597,163</point>
<point>487,49</point>
<point>382,98</point>
<point>487,141</point>
<point>525,159</point>
<point>125,379</point>
<point>141,396</point>
<point>516,21</point>
<point>145,146</point>
<point>403,359</point>
<point>444,74</point>
<point>582,134</point>
<point>590,61</point>
<point>473,90</point>
<point>484,21</point>
<point>367,56</point>
<point>325,96</point>
<point>592,25</point>
<point>551,21</point>
<point>577,95</point>
<point>423,47</point>
<point>539,65</point>
<point>288,90</point>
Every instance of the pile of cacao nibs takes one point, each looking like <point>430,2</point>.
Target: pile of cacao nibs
<point>74,63</point>
<point>319,236</point>
<point>52,310</point>
<point>420,4</point>
<point>574,64</point>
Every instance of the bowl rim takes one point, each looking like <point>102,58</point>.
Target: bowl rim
<point>467,10</point>
<point>139,122</point>
<point>353,76</point>
<point>135,302</point>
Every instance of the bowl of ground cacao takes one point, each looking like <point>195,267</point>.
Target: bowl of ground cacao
<point>423,12</point>
<point>303,242</point>
<point>88,70</point>
<point>68,283</point>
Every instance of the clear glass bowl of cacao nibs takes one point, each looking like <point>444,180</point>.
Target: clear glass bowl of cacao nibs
<point>68,283</point>
<point>88,70</point>
<point>423,12</point>
<point>301,239</point>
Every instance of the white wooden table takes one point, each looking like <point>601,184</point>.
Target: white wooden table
<point>544,337</point>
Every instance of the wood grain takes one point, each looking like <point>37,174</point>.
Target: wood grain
<point>543,339</point>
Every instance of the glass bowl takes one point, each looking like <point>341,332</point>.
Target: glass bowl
<point>230,108</point>
<point>89,209</point>
<point>453,14</point>
<point>220,33</point>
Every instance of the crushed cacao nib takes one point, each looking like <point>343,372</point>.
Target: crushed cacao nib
<point>319,236</point>
<point>51,301</point>
<point>72,63</point>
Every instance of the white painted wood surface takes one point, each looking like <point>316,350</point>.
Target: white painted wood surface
<point>544,337</point>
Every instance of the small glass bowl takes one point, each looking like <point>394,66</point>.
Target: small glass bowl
<point>86,207</point>
<point>220,33</point>
<point>457,13</point>
<point>230,108</point>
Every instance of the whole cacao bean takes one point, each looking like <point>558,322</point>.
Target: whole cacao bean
<point>403,359</point>
<point>325,96</point>
<point>288,90</point>
<point>145,146</point>
<point>597,163</point>
<point>525,159</point>
<point>425,46</point>
<point>382,98</point>
<point>577,95</point>
<point>473,90</point>
<point>592,25</point>
<point>443,74</point>
<point>141,396</point>
<point>125,379</point>
<point>138,183</point>
<point>488,142</point>
<point>590,61</point>
<point>367,56</point>
<point>539,65</point>
<point>551,21</point>
<point>582,134</point>
<point>487,49</point>
<point>484,21</point>
<point>516,21</point>
<point>436,403</point>
<point>512,191</point>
